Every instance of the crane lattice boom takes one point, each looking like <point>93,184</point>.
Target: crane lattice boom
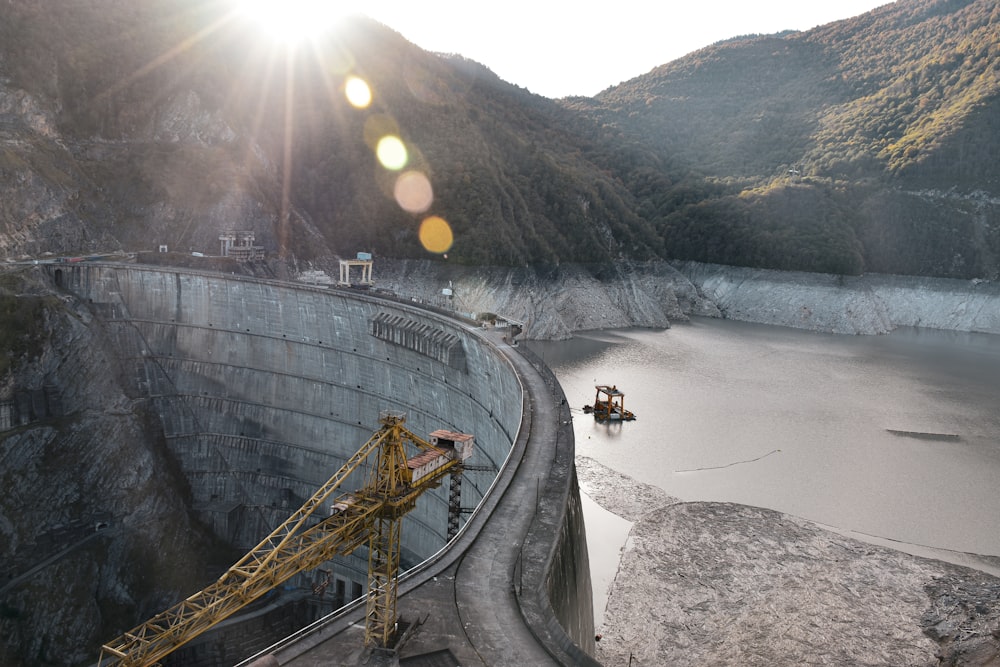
<point>369,515</point>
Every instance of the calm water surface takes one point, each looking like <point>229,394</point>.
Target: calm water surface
<point>803,423</point>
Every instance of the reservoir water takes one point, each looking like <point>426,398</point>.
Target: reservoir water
<point>896,437</point>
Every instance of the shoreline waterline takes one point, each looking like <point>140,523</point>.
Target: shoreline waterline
<point>812,425</point>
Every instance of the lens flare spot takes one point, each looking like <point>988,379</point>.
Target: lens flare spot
<point>435,234</point>
<point>358,93</point>
<point>413,192</point>
<point>391,152</point>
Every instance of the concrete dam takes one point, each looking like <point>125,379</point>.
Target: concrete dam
<point>264,388</point>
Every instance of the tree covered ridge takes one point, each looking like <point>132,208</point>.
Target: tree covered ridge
<point>831,143</point>
<point>912,95</point>
<point>863,145</point>
<point>880,90</point>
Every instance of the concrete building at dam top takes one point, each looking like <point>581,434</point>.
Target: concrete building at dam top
<point>263,389</point>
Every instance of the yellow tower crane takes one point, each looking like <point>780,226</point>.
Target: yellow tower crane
<point>369,515</point>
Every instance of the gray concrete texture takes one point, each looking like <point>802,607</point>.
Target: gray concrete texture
<point>265,389</point>
<point>514,587</point>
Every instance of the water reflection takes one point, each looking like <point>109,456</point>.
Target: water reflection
<point>810,424</point>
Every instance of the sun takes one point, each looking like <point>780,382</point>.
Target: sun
<point>293,21</point>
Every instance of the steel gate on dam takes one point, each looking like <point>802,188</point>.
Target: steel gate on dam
<point>264,388</point>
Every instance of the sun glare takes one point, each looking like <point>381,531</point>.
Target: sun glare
<point>292,21</point>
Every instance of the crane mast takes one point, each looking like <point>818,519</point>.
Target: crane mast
<point>369,515</point>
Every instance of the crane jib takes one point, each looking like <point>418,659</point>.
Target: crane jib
<point>370,515</point>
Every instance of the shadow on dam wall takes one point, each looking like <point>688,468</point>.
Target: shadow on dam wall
<point>263,389</point>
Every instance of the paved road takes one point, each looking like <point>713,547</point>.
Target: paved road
<point>484,591</point>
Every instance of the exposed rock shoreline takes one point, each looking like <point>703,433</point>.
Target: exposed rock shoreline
<point>558,301</point>
<point>704,583</point>
<point>868,304</point>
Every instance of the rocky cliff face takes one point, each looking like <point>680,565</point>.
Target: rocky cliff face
<point>869,304</point>
<point>89,495</point>
<point>41,210</point>
<point>178,180</point>
<point>555,302</point>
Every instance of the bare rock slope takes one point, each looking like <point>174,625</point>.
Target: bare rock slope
<point>867,304</point>
<point>554,302</point>
<point>706,583</point>
<point>89,492</point>
<point>557,301</point>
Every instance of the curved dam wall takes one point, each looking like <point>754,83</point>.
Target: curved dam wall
<point>264,389</point>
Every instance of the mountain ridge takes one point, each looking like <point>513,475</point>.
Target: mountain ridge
<point>847,118</point>
<point>795,151</point>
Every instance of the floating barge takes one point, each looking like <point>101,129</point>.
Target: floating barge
<point>609,405</point>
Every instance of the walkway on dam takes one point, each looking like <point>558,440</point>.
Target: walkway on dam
<point>465,602</point>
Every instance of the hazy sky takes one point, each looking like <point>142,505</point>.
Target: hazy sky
<point>557,49</point>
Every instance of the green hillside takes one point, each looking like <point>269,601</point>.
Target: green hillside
<point>183,123</point>
<point>864,145</point>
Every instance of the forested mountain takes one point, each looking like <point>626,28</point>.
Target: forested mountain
<point>168,121</point>
<point>867,144</point>
<point>863,145</point>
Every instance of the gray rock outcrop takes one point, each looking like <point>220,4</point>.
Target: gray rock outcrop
<point>868,304</point>
<point>556,302</point>
<point>704,583</point>
<point>90,494</point>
